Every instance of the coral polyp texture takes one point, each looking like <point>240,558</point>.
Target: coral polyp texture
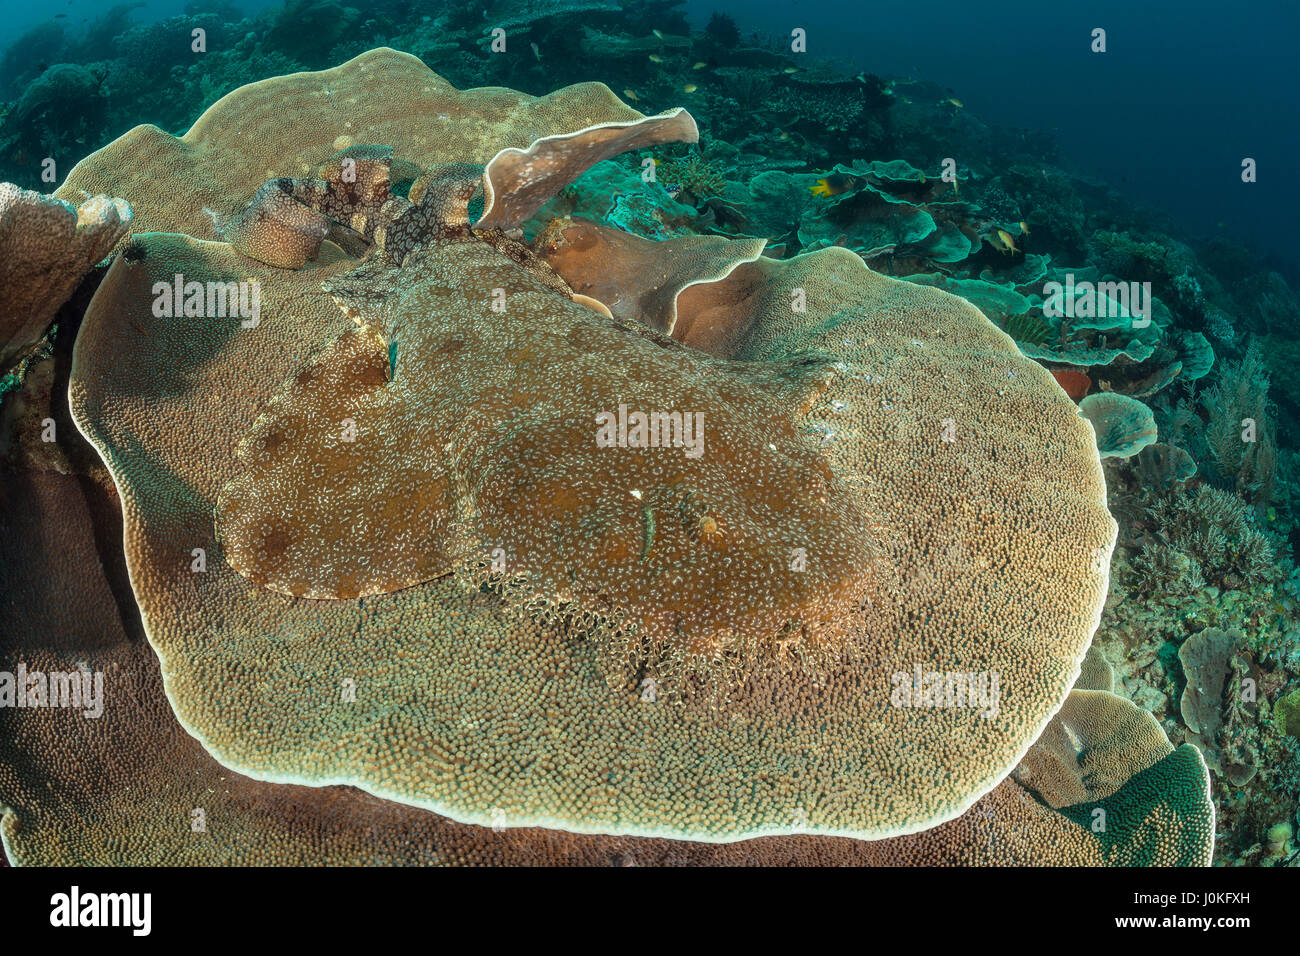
<point>491,536</point>
<point>46,246</point>
<point>73,813</point>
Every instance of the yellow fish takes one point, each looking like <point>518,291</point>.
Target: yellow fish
<point>832,185</point>
<point>1006,242</point>
<point>791,69</point>
<point>1024,228</point>
<point>656,58</point>
<point>658,33</point>
<point>689,88</point>
<point>699,66</point>
<point>957,103</point>
<point>631,95</point>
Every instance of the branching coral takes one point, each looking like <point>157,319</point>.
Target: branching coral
<point>1240,432</point>
<point>1204,536</point>
<point>697,176</point>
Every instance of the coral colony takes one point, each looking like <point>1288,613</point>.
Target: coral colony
<point>693,467</point>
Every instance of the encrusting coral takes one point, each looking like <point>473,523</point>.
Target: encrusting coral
<point>421,511</point>
<point>1207,659</point>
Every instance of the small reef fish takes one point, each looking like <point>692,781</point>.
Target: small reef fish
<point>957,103</point>
<point>658,33</point>
<point>656,58</point>
<point>699,66</point>
<point>833,185</point>
<point>536,52</point>
<point>689,88</point>
<point>647,531</point>
<point>791,69</point>
<point>631,95</point>
<point>1024,228</point>
<point>1004,241</point>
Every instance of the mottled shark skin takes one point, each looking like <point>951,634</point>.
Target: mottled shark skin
<point>475,387</point>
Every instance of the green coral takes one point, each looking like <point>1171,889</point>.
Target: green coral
<point>698,177</point>
<point>1286,712</point>
<point>1175,786</point>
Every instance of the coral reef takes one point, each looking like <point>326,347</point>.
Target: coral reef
<point>1240,428</point>
<point>757,352</point>
<point>445,260</point>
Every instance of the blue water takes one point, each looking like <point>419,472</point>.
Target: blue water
<point>1186,89</point>
<point>1184,92</point>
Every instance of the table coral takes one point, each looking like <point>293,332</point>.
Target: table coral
<point>165,801</point>
<point>946,496</point>
<point>514,721</point>
<point>382,96</point>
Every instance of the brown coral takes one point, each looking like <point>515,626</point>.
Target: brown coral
<point>46,246</point>
<point>997,536</point>
<point>190,184</point>
<point>145,793</point>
